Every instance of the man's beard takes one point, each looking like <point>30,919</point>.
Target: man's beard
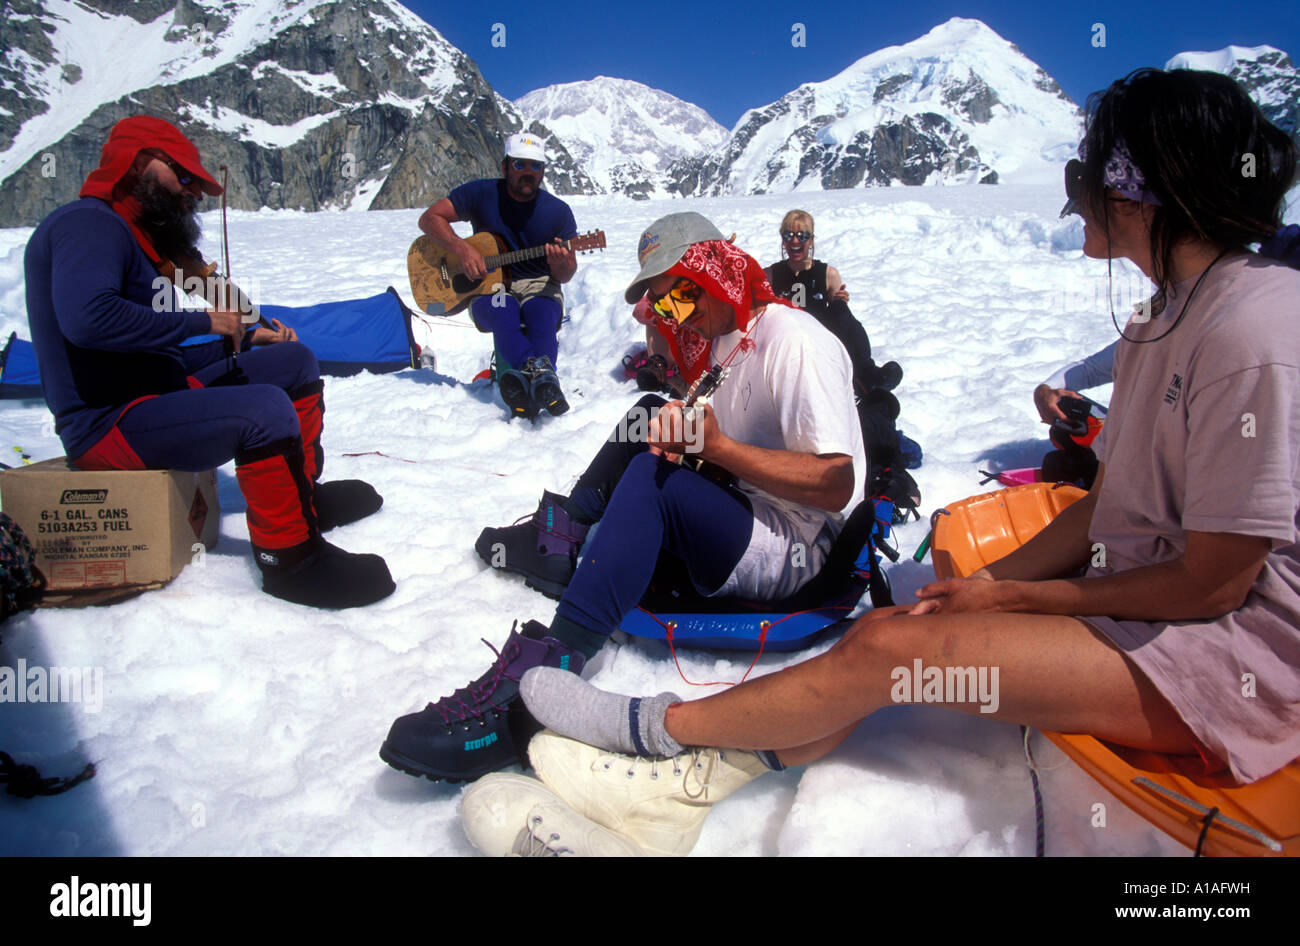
<point>170,220</point>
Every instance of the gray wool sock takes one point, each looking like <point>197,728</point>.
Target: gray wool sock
<point>570,706</point>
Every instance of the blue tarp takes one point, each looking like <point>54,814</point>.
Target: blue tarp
<point>19,374</point>
<point>348,337</point>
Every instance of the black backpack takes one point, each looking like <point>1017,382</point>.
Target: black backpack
<point>21,582</point>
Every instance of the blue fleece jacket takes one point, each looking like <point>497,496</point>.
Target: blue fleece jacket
<point>105,331</point>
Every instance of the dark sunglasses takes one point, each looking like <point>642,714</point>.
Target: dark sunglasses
<point>678,303</point>
<point>183,177</point>
<point>1074,169</point>
<point>1073,186</point>
<point>796,236</point>
<point>522,165</point>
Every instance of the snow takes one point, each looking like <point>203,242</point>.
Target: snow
<point>1221,60</point>
<point>611,123</point>
<point>227,121</point>
<point>1028,129</point>
<point>161,53</point>
<point>234,723</point>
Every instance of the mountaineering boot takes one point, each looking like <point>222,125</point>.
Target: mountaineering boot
<point>321,575</point>
<point>484,726</point>
<point>545,386</point>
<point>883,401</point>
<point>888,376</point>
<point>341,502</point>
<point>517,393</point>
<point>544,549</point>
<point>659,803</point>
<point>506,815</point>
<point>297,565</point>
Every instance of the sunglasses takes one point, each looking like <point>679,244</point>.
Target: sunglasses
<point>796,236</point>
<point>521,165</point>
<point>183,177</point>
<point>678,303</point>
<point>1073,187</point>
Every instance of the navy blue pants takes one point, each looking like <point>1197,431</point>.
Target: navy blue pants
<point>519,332</point>
<point>234,413</point>
<point>647,505</point>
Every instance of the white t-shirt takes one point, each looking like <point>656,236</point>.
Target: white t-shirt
<point>790,387</point>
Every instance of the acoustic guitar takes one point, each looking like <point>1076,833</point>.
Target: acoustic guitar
<point>440,286</point>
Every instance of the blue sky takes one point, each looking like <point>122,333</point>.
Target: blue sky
<point>729,56</point>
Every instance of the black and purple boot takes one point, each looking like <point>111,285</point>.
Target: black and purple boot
<point>544,548</point>
<point>483,727</point>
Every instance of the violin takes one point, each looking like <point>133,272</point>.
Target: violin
<point>193,275</point>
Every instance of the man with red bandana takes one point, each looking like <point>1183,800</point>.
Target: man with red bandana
<point>126,395</point>
<point>782,425</point>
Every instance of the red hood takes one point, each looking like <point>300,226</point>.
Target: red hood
<point>128,138</point>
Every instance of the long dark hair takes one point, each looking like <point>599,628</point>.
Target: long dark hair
<point>1220,169</point>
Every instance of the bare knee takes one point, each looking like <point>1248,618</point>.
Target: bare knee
<point>882,639</point>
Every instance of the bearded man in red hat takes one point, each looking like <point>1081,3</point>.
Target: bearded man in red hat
<point>127,396</point>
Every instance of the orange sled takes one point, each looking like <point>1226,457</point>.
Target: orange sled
<point>1262,818</point>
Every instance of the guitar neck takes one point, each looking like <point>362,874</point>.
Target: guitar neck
<point>515,256</point>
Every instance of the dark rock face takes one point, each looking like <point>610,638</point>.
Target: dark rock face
<point>25,30</point>
<point>973,99</point>
<point>1273,81</point>
<point>355,97</point>
<point>906,151</point>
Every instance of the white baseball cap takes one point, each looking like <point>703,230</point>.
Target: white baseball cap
<point>526,146</point>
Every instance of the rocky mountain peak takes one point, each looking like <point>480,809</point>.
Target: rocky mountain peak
<point>311,103</point>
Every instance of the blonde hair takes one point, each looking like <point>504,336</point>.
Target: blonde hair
<point>791,221</point>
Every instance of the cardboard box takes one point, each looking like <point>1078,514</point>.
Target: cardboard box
<point>113,528</point>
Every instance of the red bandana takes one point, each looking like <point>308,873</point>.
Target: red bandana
<point>725,272</point>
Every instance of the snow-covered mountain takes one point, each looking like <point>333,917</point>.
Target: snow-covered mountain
<point>311,103</point>
<point>623,134</point>
<point>1268,74</point>
<point>959,104</point>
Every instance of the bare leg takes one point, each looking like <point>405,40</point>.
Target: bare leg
<point>800,755</point>
<point>1054,673</point>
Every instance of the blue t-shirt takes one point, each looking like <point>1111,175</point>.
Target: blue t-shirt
<point>521,224</point>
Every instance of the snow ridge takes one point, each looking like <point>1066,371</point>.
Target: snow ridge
<point>624,134</point>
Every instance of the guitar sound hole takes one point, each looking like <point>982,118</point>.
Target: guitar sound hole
<point>460,283</point>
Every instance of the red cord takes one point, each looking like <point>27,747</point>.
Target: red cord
<point>762,643</point>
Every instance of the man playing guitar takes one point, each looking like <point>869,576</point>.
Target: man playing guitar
<point>525,316</point>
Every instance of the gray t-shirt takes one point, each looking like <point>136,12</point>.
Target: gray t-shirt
<point>1204,435</point>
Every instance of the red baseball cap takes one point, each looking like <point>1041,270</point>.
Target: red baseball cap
<point>132,135</point>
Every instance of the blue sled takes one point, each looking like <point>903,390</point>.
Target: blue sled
<point>827,600</point>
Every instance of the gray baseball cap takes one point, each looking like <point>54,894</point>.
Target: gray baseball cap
<point>663,243</point>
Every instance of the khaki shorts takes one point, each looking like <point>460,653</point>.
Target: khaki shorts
<point>530,287</point>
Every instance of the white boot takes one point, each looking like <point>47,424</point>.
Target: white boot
<point>508,815</point>
<point>660,804</point>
